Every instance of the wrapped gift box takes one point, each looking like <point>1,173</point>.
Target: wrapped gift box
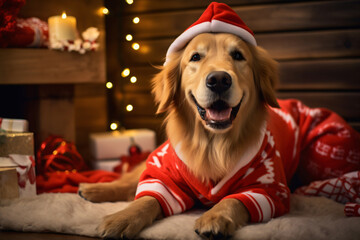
<point>107,165</point>
<point>17,152</point>
<point>16,143</point>
<point>25,169</point>
<point>112,145</point>
<point>9,187</point>
<point>14,125</point>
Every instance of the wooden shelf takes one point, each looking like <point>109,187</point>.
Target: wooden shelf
<point>44,66</point>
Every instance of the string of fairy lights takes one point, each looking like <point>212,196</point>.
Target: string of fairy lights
<point>126,73</point>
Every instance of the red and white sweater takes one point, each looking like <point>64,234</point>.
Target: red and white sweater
<point>260,177</point>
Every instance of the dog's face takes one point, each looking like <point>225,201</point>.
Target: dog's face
<point>217,78</point>
<point>220,77</point>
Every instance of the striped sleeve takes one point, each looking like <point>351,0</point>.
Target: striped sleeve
<point>264,205</point>
<point>161,180</point>
<point>170,201</point>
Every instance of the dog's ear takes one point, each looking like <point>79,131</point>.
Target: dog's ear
<point>166,83</point>
<point>266,76</point>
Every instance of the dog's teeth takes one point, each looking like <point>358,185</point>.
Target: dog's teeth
<point>218,115</point>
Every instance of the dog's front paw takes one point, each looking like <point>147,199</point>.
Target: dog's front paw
<point>221,221</point>
<point>215,226</point>
<point>94,192</point>
<point>120,225</point>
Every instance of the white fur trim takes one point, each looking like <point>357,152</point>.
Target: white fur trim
<point>215,26</point>
<point>186,36</point>
<point>223,27</point>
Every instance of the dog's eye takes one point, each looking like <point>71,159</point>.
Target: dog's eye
<point>195,57</point>
<point>237,55</point>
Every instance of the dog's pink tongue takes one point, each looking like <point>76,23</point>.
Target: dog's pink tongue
<point>212,114</point>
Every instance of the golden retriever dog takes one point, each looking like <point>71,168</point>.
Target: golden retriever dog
<point>217,92</point>
<point>213,142</point>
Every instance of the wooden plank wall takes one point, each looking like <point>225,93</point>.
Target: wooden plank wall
<point>317,45</point>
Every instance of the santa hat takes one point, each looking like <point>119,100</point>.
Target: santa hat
<point>217,18</point>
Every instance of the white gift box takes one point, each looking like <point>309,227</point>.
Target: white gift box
<point>107,165</point>
<point>14,125</point>
<point>25,168</point>
<point>112,145</point>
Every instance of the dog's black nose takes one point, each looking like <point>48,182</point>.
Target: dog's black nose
<point>218,81</point>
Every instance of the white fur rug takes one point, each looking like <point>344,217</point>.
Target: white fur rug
<point>310,218</point>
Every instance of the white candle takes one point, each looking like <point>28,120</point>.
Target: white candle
<point>62,28</point>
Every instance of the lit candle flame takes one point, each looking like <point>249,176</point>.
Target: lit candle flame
<point>63,15</point>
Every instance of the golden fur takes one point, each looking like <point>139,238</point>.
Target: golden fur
<point>209,152</point>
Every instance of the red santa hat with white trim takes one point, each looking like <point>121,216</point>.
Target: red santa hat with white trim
<point>217,18</point>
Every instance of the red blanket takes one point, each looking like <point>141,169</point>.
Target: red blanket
<point>69,181</point>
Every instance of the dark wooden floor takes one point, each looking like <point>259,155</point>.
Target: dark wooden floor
<point>7,235</point>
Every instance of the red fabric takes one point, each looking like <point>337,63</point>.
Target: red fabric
<point>259,180</point>
<point>343,189</point>
<point>223,13</point>
<point>61,168</point>
<point>217,18</point>
<point>12,5</point>
<point>9,10</point>
<point>262,188</point>
<point>352,210</point>
<point>62,182</point>
<point>30,32</point>
<point>315,142</point>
